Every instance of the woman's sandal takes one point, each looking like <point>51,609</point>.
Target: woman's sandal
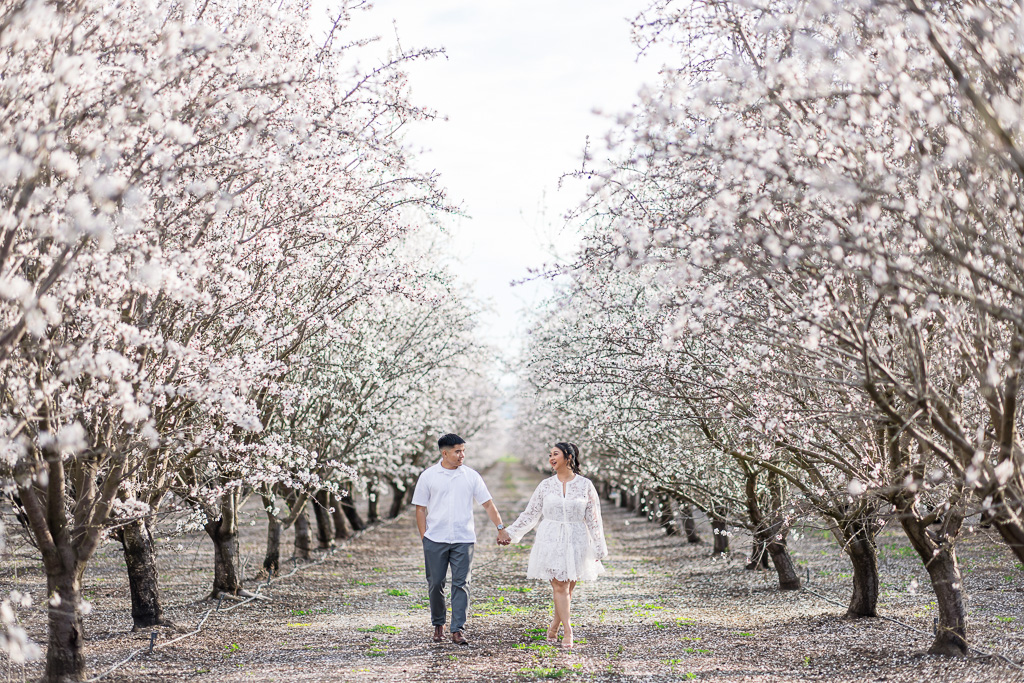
<point>567,640</point>
<point>552,639</point>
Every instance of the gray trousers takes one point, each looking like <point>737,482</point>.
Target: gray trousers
<point>438,557</point>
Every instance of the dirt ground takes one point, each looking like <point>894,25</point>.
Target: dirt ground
<point>664,611</point>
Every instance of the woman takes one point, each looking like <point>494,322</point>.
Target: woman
<point>570,539</point>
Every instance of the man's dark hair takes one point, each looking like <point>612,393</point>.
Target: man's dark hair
<point>449,441</point>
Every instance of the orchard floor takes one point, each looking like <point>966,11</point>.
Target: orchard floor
<point>664,611</point>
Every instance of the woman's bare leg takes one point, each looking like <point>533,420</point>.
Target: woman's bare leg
<point>560,592</point>
<point>567,640</point>
<point>555,621</point>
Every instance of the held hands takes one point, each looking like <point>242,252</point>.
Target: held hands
<point>503,537</point>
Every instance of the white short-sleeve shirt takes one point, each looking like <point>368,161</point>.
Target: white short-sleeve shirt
<point>448,496</point>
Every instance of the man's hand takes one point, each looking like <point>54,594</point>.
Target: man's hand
<point>503,537</point>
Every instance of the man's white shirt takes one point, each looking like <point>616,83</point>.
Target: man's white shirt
<point>448,496</point>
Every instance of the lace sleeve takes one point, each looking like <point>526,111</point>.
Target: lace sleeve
<point>592,519</point>
<point>530,517</point>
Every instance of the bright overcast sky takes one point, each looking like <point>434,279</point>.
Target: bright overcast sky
<point>518,88</point>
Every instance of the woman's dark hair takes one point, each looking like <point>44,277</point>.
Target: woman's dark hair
<point>572,453</point>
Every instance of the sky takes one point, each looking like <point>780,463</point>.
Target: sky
<point>518,90</point>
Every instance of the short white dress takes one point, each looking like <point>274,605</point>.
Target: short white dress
<point>570,536</point>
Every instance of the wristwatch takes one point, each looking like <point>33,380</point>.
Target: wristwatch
<point>500,527</point>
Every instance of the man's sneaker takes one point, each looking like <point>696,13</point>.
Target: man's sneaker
<point>458,639</point>
<point>438,634</point>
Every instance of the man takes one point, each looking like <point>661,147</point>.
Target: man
<point>444,514</point>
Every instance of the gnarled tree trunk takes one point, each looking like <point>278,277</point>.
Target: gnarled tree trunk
<point>324,535</point>
<point>65,659</point>
<point>860,546</point>
<point>689,523</point>
<point>789,580</point>
<point>721,534</point>
<point>939,556</point>
<point>227,571</point>
<point>340,526</point>
<point>371,507</point>
<point>143,579</point>
<point>397,501</point>
<point>666,516</point>
<point>349,508</point>
<point>303,542</point>
<point>770,530</point>
<point>758,556</point>
<point>272,559</point>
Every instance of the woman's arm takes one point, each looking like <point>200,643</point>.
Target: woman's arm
<point>531,516</point>
<point>592,519</point>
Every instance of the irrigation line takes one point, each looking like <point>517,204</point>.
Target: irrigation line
<point>980,651</point>
<point>255,596</point>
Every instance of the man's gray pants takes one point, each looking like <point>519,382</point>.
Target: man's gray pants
<point>438,557</point>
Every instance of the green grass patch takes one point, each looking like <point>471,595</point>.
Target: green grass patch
<point>499,605</point>
<point>381,628</point>
<point>515,589</point>
<point>397,592</point>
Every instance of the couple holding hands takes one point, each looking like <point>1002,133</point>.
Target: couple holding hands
<point>568,548</point>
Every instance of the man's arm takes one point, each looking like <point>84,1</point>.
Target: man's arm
<point>492,512</point>
<point>421,519</point>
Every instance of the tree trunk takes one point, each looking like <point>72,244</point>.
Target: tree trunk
<point>349,508</point>
<point>943,570</point>
<point>689,523</point>
<point>397,501</point>
<point>65,659</point>
<point>227,572</point>
<point>666,518</point>
<point>758,556</point>
<point>371,507</point>
<point>770,529</point>
<point>272,560</point>
<point>321,502</point>
<point>640,504</point>
<point>143,580</point>
<point>1007,520</point>
<point>623,498</point>
<point>303,542</point>
<point>864,557</point>
<point>789,580</point>
<point>721,546</point>
<point>340,526</point>
<point>951,638</point>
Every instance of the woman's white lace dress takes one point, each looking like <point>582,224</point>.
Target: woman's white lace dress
<point>570,538</point>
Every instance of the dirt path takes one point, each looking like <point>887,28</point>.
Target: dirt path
<point>664,611</point>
